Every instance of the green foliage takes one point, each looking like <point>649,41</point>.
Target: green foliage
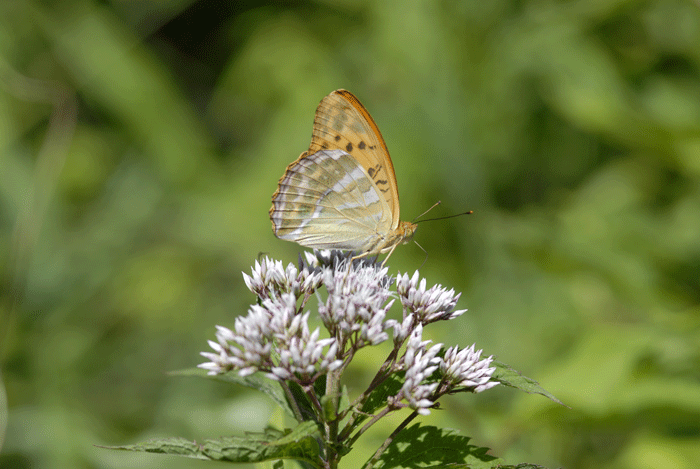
<point>510,377</point>
<point>298,444</point>
<point>409,447</point>
<point>418,446</point>
<point>140,143</point>
<point>430,447</point>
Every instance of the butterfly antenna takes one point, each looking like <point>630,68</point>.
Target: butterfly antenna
<point>434,205</point>
<point>426,254</point>
<point>469,212</point>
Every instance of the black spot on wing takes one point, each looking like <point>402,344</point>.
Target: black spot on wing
<point>348,148</point>
<point>362,145</point>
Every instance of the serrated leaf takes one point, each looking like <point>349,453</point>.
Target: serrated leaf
<point>299,444</point>
<point>432,447</point>
<point>265,385</point>
<point>504,374</point>
<point>174,446</point>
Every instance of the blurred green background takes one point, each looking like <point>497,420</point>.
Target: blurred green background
<point>141,141</point>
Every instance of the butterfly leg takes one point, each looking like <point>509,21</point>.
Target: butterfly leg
<point>369,253</point>
<point>360,256</point>
<point>351,260</point>
<point>387,256</point>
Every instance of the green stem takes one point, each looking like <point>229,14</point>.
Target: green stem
<point>381,375</point>
<point>374,420</point>
<point>330,439</point>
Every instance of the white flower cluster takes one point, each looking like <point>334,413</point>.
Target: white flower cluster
<point>464,368</point>
<point>269,278</point>
<point>420,363</point>
<point>356,307</point>
<point>435,304</point>
<point>275,337</point>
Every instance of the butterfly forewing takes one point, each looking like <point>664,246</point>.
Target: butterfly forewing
<point>343,123</point>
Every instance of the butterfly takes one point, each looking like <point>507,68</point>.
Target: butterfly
<point>341,193</point>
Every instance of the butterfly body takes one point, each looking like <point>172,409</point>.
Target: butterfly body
<point>342,192</point>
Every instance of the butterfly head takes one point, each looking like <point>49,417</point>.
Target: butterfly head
<point>407,229</point>
<point>401,235</point>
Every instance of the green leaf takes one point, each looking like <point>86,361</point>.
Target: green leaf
<point>432,447</point>
<point>377,398</point>
<point>267,386</point>
<point>174,446</point>
<point>504,374</point>
<point>299,444</point>
<point>302,400</point>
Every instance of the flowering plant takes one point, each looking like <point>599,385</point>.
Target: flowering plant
<point>304,371</point>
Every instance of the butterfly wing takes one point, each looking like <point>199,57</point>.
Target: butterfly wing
<point>327,200</point>
<point>342,192</point>
<point>343,123</point>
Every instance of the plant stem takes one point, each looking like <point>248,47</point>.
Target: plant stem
<point>374,420</point>
<point>331,427</point>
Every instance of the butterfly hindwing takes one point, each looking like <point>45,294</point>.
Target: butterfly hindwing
<point>328,194</point>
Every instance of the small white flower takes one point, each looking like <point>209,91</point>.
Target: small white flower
<point>434,304</point>
<point>420,363</point>
<point>263,276</point>
<point>463,368</point>
<point>401,329</point>
<point>282,312</point>
<point>302,357</point>
<point>357,303</point>
<point>269,278</point>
